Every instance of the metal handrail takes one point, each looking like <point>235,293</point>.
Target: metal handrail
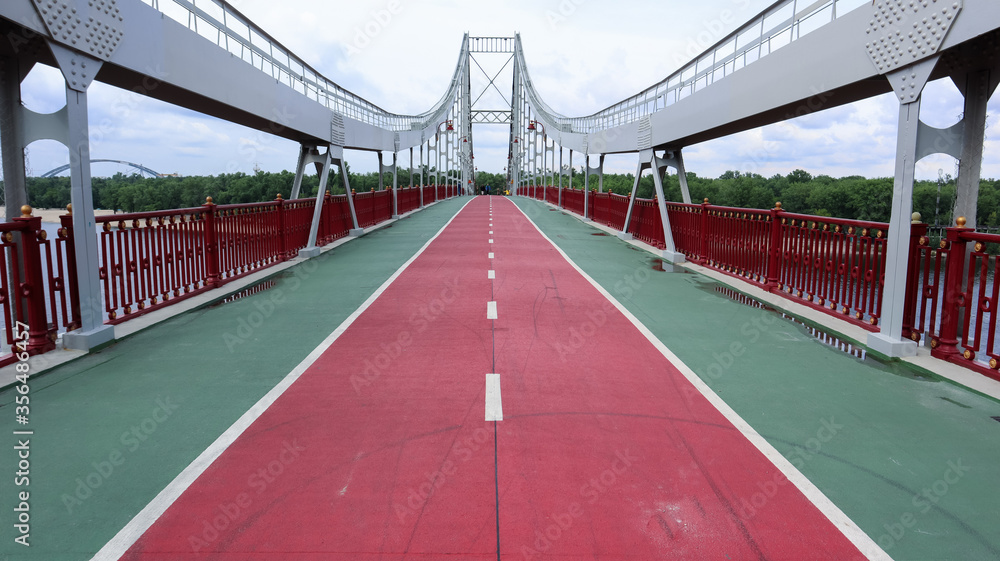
<point>235,33</point>
<point>726,56</point>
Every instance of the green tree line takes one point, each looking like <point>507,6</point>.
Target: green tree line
<point>136,193</point>
<point>854,197</point>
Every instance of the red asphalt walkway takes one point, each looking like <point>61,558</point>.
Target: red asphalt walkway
<point>381,449</point>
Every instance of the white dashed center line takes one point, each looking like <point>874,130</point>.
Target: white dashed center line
<point>494,407</point>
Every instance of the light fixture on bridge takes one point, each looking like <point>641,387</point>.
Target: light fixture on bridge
<point>451,126</point>
<point>531,125</point>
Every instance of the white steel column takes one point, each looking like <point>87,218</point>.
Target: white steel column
<point>625,235</point>
<point>977,89</point>
<point>570,173</point>
<point>559,200</point>
<point>311,250</point>
<point>304,150</point>
<point>908,83</point>
<point>92,332</point>
<point>337,157</point>
<point>395,185</point>
<point>600,177</point>
<point>670,251</point>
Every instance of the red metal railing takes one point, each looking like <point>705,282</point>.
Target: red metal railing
<point>837,266</point>
<point>967,321</point>
<point>834,265</point>
<point>430,196</point>
<point>409,199</point>
<point>646,223</point>
<point>23,291</point>
<point>737,241</point>
<point>831,264</point>
<point>552,195</point>
<point>445,191</point>
<point>610,209</point>
<point>373,207</point>
<point>149,260</point>
<point>925,280</point>
<point>686,225</point>
<point>572,200</point>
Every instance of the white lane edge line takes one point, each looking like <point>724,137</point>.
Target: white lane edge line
<point>491,310</point>
<point>142,521</point>
<point>494,405</point>
<point>491,274</point>
<point>848,527</point>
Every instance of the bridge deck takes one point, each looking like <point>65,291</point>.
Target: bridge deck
<point>610,445</point>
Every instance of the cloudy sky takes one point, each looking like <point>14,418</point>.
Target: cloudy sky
<point>583,55</point>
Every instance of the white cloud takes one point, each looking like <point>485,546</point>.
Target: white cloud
<point>583,55</point>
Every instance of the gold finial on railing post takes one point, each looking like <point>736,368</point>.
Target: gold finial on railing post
<point>915,218</point>
<point>279,197</point>
<point>705,202</point>
<point>26,211</point>
<point>777,205</point>
<point>209,201</point>
<point>69,208</point>
<point>960,222</point>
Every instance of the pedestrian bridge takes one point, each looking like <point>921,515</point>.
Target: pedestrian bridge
<point>418,373</point>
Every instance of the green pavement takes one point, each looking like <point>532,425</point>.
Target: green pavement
<point>113,428</point>
<point>911,458</point>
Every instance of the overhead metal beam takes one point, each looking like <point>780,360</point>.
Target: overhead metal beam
<point>492,117</point>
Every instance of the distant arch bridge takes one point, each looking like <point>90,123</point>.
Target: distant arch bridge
<point>143,169</point>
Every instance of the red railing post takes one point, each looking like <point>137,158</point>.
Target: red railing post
<point>76,317</point>
<point>703,234</point>
<point>41,335</point>
<point>326,225</point>
<point>284,253</point>
<point>954,295</point>
<point>211,245</point>
<point>918,231</point>
<point>774,252</point>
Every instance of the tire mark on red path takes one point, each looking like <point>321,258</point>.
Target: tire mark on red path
<point>398,457</point>
<point>607,450</point>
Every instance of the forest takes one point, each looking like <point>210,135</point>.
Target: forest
<point>845,197</point>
